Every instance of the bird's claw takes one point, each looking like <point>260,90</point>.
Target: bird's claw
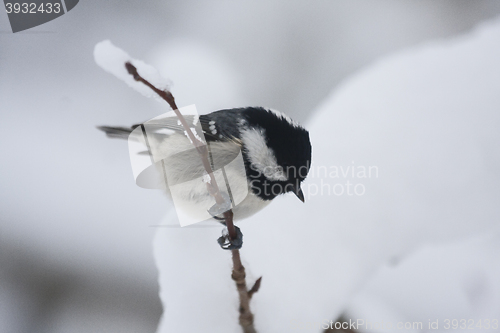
<point>227,243</point>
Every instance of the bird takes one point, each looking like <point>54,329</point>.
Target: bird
<point>276,157</point>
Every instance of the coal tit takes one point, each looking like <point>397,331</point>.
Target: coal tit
<point>276,153</point>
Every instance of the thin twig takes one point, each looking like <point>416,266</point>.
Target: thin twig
<point>255,288</point>
<point>238,274</point>
<point>200,146</point>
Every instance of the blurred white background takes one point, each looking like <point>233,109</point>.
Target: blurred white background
<point>76,235</point>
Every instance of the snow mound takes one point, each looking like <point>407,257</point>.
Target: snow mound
<point>405,153</point>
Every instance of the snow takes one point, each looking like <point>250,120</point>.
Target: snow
<point>200,73</point>
<point>112,59</point>
<point>438,282</point>
<point>428,119</point>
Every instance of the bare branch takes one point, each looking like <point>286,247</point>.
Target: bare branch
<point>238,274</point>
<point>213,188</point>
<point>255,288</point>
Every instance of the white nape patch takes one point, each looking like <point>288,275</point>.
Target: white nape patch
<point>281,115</point>
<point>261,156</point>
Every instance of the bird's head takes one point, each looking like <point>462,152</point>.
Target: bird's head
<point>277,153</point>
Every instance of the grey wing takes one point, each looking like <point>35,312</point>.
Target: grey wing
<point>170,123</point>
<point>213,128</point>
<point>220,126</point>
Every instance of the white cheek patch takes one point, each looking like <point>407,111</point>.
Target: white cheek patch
<point>260,155</point>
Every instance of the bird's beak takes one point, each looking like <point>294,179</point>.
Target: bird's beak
<point>298,192</point>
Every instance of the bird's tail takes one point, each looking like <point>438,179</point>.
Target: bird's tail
<point>116,132</point>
